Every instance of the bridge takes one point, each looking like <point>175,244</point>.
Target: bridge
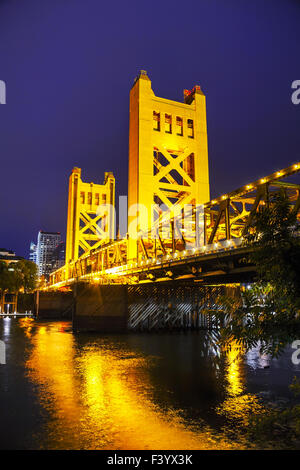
<point>218,242</point>
<point>169,231</point>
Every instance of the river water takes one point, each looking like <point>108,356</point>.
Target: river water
<point>60,390</point>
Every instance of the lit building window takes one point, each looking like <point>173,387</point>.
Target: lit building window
<point>82,197</point>
<point>97,199</point>
<point>190,125</point>
<point>179,126</point>
<point>156,121</point>
<point>168,123</point>
<point>103,198</point>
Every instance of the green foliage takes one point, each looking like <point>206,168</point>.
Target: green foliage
<point>279,427</point>
<point>256,320</point>
<point>295,386</point>
<point>274,235</point>
<point>26,275</point>
<point>17,276</point>
<point>267,314</point>
<point>7,278</point>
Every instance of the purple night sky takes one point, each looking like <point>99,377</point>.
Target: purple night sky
<point>69,65</point>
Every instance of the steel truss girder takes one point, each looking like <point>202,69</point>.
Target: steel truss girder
<point>224,218</point>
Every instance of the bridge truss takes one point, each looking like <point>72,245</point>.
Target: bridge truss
<point>200,244</point>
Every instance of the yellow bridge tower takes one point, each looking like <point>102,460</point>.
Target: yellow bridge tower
<point>91,215</point>
<point>168,158</point>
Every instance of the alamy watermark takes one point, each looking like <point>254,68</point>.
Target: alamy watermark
<point>157,222</point>
<point>2,92</point>
<point>296,94</point>
<point>295,358</point>
<point>2,353</point>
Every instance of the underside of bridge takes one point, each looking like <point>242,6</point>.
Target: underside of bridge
<point>140,307</point>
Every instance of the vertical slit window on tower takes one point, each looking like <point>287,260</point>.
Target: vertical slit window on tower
<point>89,198</point>
<point>156,121</point>
<point>168,123</point>
<point>190,125</point>
<point>190,166</point>
<point>97,199</point>
<point>103,198</point>
<point>82,197</point>
<point>179,126</point>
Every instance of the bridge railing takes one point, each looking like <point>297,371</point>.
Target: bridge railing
<point>227,217</point>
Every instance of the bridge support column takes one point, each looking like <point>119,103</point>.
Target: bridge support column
<point>101,308</point>
<point>174,306</point>
<point>25,303</point>
<point>54,305</point>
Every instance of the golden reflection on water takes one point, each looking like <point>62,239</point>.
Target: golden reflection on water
<point>238,405</point>
<point>26,323</point>
<point>99,396</point>
<point>234,375</point>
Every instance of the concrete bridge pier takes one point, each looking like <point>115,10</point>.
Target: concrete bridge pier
<point>101,308</point>
<point>91,307</point>
<point>56,305</point>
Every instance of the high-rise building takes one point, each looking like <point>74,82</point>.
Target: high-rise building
<point>46,244</point>
<point>33,252</point>
<point>58,256</point>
